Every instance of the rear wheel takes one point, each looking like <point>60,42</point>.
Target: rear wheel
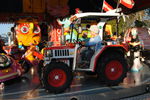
<point>112,69</point>
<point>56,77</point>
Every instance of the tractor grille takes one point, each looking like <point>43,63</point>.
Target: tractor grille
<point>61,52</point>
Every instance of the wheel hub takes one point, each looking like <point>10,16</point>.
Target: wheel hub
<point>114,70</point>
<point>56,77</point>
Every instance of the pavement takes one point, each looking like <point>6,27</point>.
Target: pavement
<point>84,87</point>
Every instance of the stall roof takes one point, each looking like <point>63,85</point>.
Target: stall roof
<point>16,8</point>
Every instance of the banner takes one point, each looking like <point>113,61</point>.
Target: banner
<point>106,6</point>
<point>127,3</point>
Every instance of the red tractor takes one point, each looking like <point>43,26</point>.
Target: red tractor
<point>60,62</point>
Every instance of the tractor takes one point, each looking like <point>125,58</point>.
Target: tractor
<point>108,63</point>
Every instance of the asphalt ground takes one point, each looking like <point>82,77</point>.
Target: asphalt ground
<point>84,87</point>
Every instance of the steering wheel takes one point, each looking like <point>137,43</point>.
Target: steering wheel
<point>80,42</point>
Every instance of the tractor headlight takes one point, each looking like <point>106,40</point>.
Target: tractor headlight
<point>48,53</point>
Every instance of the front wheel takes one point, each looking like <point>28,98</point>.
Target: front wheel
<point>112,69</point>
<point>56,77</point>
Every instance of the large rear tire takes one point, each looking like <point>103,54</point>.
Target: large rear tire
<point>112,69</point>
<point>56,77</point>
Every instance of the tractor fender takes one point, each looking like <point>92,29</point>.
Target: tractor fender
<point>121,49</point>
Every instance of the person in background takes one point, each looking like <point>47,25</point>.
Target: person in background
<point>134,38</point>
<point>1,45</point>
<point>14,40</point>
<point>114,37</point>
<point>135,51</point>
<point>85,33</point>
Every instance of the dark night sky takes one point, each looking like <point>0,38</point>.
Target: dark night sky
<point>11,6</point>
<point>88,5</point>
<point>85,5</point>
<point>16,6</point>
